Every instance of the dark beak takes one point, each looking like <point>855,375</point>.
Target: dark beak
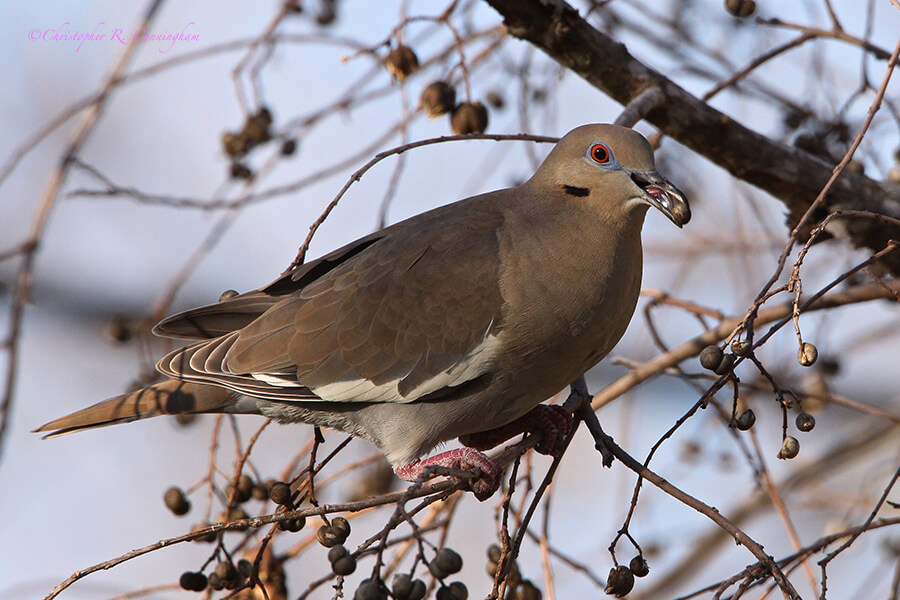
<point>662,195</point>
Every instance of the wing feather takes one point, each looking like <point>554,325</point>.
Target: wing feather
<point>391,318</point>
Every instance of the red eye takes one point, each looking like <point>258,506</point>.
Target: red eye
<point>600,153</point>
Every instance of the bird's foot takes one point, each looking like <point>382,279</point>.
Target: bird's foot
<point>460,458</point>
<point>553,422</point>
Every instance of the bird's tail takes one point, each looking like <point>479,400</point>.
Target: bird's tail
<point>170,397</point>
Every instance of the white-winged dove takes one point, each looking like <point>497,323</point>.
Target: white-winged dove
<point>455,323</point>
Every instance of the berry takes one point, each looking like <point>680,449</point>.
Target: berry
<point>328,537</point>
<point>740,347</point>
<point>418,590</point>
<point>341,526</point>
<point>337,552</point>
<point>446,562</point>
<point>226,572</point>
<point>344,565</point>
<point>620,581</point>
<point>805,422</point>
<point>745,420</point>
<point>726,364</point>
<point>740,8</point>
<point>807,354</point>
<point>401,62</point>
<point>369,590</point>
<point>639,566</point>
<point>288,147</point>
<point>711,358</point>
<point>280,493</point>
<point>495,99</point>
<point>176,501</point>
<point>438,98</point>
<point>402,586</point>
<point>790,448</point>
<point>193,581</point>
<point>293,525</point>
<point>469,117</point>
<point>208,537</point>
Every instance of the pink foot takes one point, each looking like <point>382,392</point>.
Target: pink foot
<point>460,458</point>
<point>552,421</point>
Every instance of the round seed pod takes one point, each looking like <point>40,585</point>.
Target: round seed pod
<point>245,485</point>
<point>639,566</point>
<point>711,358</point>
<point>233,144</point>
<point>256,129</point>
<point>240,171</point>
<point>443,593</point>
<point>369,590</point>
<point>493,553</point>
<point>227,295</point>
<point>337,552</point>
<point>726,364</point>
<point>807,354</point>
<point>438,98</point>
<point>528,591</point>
<point>215,582</point>
<point>805,422</point>
<point>620,581</point>
<point>341,526</point>
<point>740,347</point>
<point>192,581</point>
<point>458,591</point>
<point>418,590</point>
<point>745,420</point>
<point>293,525</point>
<point>242,492</point>
<point>288,147</point>
<point>328,537</point>
<point>495,99</point>
<point>245,568</point>
<point>260,492</point>
<point>469,117</point>
<point>326,15</point>
<point>176,501</point>
<point>401,62</point>
<point>446,561</point>
<point>208,537</point>
<point>280,493</point>
<point>226,572</point>
<point>790,447</point>
<point>402,586</point>
<point>740,8</point>
<point>344,565</point>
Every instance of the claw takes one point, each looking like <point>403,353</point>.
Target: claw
<point>460,458</point>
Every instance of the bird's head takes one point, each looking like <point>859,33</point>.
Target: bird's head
<point>611,164</point>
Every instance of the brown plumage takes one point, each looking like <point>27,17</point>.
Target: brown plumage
<point>452,323</point>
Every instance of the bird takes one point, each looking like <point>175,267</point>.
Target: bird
<point>455,323</point>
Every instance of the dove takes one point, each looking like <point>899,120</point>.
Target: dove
<point>455,323</point>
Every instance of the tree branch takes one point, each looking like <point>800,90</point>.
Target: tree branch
<point>790,174</point>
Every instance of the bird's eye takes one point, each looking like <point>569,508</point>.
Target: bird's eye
<point>600,153</point>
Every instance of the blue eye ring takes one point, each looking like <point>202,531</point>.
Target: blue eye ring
<point>599,153</point>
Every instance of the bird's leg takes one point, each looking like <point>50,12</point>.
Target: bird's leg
<point>459,458</point>
<point>552,421</point>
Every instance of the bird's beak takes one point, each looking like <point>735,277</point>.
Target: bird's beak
<point>662,195</point>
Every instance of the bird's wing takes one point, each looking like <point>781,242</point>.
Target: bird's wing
<point>393,317</point>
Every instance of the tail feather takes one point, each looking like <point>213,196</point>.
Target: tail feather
<point>170,397</point>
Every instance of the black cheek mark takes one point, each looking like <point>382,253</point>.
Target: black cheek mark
<point>579,192</point>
